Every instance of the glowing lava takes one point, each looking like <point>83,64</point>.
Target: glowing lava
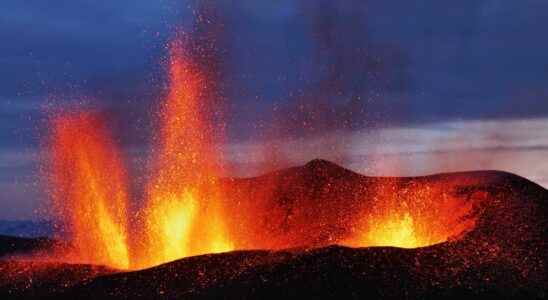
<point>418,217</point>
<point>186,210</point>
<point>89,189</point>
<point>395,230</point>
<point>183,214</point>
<point>183,192</point>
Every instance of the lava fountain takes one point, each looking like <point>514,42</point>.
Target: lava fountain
<point>89,189</point>
<point>187,211</point>
<point>183,212</point>
<point>183,190</point>
<point>414,216</point>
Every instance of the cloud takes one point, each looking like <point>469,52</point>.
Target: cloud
<point>426,88</point>
<point>518,146</point>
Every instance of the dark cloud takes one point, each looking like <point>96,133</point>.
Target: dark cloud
<point>401,61</point>
<point>305,66</point>
<point>382,63</point>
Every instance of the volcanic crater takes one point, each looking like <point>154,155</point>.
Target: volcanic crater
<point>317,230</point>
<point>500,251</point>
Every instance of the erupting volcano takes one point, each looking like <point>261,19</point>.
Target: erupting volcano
<point>183,213</point>
<point>312,230</point>
<point>186,211</point>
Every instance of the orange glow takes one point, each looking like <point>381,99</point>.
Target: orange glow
<point>181,193</point>
<point>183,215</point>
<point>396,230</point>
<point>188,210</point>
<point>89,190</point>
<point>420,216</point>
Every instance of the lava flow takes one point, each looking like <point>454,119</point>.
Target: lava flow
<point>187,211</point>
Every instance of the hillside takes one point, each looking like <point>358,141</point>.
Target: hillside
<point>307,209</point>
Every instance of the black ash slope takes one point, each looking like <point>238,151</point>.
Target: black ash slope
<point>504,256</point>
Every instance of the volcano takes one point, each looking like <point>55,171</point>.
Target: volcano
<point>316,228</point>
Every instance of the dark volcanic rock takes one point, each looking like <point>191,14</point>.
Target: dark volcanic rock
<point>17,245</point>
<point>25,279</point>
<point>331,272</point>
<point>503,256</point>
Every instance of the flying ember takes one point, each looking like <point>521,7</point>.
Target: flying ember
<point>421,216</point>
<point>187,210</point>
<point>183,213</point>
<point>89,189</point>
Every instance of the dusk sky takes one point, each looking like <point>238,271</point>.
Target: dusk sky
<point>384,87</point>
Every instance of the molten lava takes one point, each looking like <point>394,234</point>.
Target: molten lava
<point>187,211</point>
<point>183,213</point>
<point>418,217</point>
<point>182,192</point>
<point>89,189</point>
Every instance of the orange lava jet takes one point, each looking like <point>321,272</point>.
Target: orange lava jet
<point>187,211</point>
<point>183,214</point>
<point>417,217</point>
<point>89,190</point>
<point>183,190</point>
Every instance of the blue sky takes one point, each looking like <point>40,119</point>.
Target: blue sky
<point>352,66</point>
